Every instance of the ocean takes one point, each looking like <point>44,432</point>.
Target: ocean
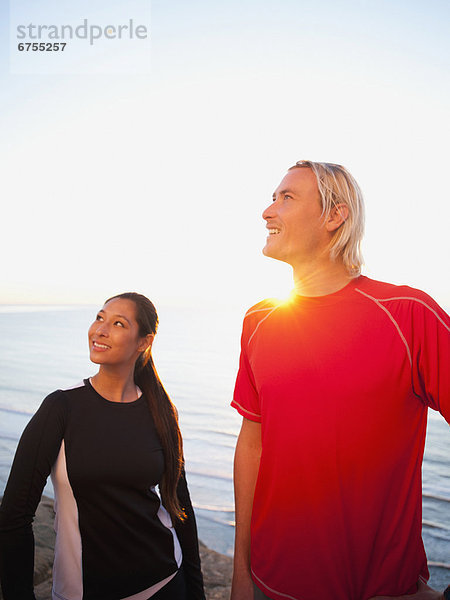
<point>196,353</point>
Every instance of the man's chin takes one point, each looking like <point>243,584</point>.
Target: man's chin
<point>271,253</point>
<point>267,251</point>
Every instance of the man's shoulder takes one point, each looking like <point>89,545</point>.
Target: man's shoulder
<point>382,290</point>
<point>391,294</point>
<point>263,306</point>
<point>258,313</point>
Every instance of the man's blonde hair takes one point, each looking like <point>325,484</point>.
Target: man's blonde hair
<point>337,186</point>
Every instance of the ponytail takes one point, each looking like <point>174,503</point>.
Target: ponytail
<point>163,412</point>
<point>166,422</point>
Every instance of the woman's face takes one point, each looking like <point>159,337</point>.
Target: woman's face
<point>114,335</point>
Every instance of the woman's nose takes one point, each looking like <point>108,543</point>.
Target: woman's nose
<point>102,329</point>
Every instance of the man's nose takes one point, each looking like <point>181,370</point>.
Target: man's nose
<point>268,212</point>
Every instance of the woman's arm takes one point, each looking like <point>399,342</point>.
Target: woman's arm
<point>36,453</point>
<point>187,535</point>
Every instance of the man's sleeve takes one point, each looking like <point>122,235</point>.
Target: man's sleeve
<point>246,398</point>
<point>431,355</point>
<point>36,453</point>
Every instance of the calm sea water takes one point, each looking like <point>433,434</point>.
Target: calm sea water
<point>196,353</point>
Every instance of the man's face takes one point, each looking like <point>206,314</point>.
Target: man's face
<point>294,219</point>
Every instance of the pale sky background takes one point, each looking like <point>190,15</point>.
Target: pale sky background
<point>155,181</point>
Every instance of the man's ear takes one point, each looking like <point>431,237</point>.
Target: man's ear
<point>146,342</point>
<point>337,216</point>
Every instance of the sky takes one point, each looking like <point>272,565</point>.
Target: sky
<point>146,164</point>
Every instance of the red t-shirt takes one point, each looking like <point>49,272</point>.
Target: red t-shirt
<point>341,385</point>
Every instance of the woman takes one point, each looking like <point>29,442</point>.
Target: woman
<point>106,443</point>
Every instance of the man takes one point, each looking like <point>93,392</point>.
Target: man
<point>333,387</point>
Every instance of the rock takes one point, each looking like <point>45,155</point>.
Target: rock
<point>217,570</point>
<point>216,567</point>
<point>44,541</point>
<point>43,591</point>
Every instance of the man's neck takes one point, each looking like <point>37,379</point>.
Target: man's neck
<point>320,279</point>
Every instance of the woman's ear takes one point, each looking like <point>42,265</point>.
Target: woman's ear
<point>337,216</point>
<point>146,342</point>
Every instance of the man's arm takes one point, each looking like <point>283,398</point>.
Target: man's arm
<point>246,467</point>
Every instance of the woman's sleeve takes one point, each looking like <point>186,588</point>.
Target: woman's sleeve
<point>36,453</point>
<point>187,535</point>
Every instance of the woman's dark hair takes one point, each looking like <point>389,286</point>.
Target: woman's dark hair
<point>162,410</point>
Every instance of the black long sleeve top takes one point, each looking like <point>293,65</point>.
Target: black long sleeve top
<point>114,539</point>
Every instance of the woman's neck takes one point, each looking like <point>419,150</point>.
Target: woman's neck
<point>115,386</point>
